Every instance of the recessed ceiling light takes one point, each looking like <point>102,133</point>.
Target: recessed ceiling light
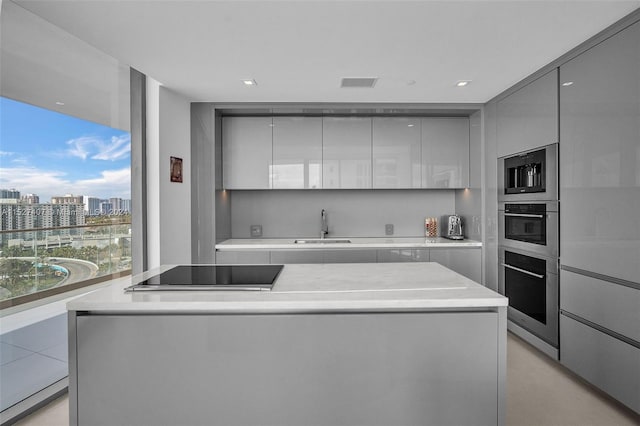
<point>59,103</point>
<point>409,125</point>
<point>249,82</point>
<point>567,83</point>
<point>462,83</point>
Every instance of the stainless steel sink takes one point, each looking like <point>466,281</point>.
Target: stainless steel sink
<point>322,241</point>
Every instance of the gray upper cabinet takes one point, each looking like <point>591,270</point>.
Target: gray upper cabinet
<point>246,152</point>
<point>528,118</point>
<point>600,153</point>
<point>346,152</point>
<point>445,152</point>
<point>396,152</point>
<point>297,153</point>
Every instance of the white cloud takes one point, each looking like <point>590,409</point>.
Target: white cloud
<point>119,148</point>
<point>46,183</point>
<point>96,148</point>
<point>6,153</point>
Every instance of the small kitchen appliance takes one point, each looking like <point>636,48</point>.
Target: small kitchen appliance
<point>452,227</point>
<point>529,176</point>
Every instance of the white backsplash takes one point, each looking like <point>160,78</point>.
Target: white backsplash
<point>351,213</point>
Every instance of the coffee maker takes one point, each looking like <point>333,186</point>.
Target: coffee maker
<point>452,227</point>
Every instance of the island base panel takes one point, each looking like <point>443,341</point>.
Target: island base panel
<point>314,369</point>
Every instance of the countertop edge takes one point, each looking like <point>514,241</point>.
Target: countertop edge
<point>357,243</point>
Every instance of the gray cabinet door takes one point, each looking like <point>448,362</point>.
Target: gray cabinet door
<point>612,306</point>
<point>445,152</point>
<point>296,256</point>
<point>297,153</point>
<point>235,257</point>
<point>349,256</point>
<point>346,152</point>
<point>528,118</point>
<point>323,256</point>
<point>403,255</point>
<point>608,363</point>
<point>246,152</point>
<point>396,152</point>
<point>465,261</point>
<point>600,158</point>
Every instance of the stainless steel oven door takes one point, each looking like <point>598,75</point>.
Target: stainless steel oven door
<point>531,284</point>
<point>534,231</point>
<point>550,177</point>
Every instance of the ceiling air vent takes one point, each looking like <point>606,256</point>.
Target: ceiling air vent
<point>364,82</point>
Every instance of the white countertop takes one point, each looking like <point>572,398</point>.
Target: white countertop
<point>370,243</point>
<point>301,288</point>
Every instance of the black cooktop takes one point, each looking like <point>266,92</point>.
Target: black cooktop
<point>213,277</point>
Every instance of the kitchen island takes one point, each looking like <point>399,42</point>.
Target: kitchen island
<point>330,344</point>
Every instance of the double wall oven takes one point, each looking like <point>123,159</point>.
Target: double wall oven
<point>528,240</point>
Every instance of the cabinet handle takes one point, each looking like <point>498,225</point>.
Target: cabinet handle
<point>524,271</point>
<point>539,216</point>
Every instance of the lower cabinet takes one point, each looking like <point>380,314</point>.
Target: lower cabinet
<point>612,306</point>
<point>600,334</point>
<point>467,262</point>
<point>403,255</point>
<point>296,256</point>
<point>323,256</point>
<point>243,256</point>
<point>349,256</point>
<point>606,362</point>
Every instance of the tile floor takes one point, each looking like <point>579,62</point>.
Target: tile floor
<point>539,393</point>
<point>32,358</point>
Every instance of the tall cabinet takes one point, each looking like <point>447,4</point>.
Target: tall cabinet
<point>600,215</point>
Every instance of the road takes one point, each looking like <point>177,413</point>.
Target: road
<point>79,270</point>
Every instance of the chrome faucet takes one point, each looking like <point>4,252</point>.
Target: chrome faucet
<point>324,228</point>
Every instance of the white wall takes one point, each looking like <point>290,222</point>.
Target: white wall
<point>168,203</point>
<point>175,141</point>
<point>153,183</point>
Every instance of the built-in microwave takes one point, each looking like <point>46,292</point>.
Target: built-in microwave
<point>531,226</point>
<point>531,284</point>
<point>530,175</point>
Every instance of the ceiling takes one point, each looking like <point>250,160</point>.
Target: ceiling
<point>298,51</point>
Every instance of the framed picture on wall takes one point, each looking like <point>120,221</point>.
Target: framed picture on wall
<point>176,169</point>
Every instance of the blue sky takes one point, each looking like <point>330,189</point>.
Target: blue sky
<point>47,153</point>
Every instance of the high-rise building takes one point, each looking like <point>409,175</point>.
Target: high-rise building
<point>106,207</point>
<point>116,205</point>
<point>126,206</point>
<point>68,199</point>
<point>22,216</point>
<point>10,193</point>
<point>30,199</point>
<point>92,205</point>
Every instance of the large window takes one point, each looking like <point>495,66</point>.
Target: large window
<point>65,199</point>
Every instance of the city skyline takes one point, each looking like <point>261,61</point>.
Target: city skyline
<point>51,154</point>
